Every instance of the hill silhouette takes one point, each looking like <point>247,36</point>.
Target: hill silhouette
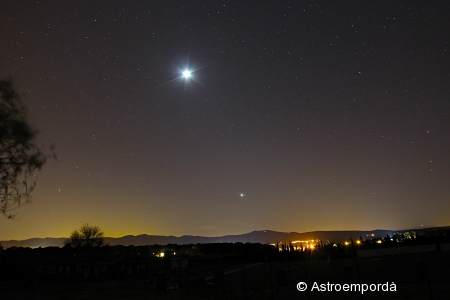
<point>262,236</point>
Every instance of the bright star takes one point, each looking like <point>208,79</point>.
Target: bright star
<point>187,74</point>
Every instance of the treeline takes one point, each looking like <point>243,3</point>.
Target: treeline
<point>247,251</point>
<point>349,248</point>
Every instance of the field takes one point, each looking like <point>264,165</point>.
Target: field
<point>416,276</point>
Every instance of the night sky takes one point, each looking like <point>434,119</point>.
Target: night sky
<point>298,115</point>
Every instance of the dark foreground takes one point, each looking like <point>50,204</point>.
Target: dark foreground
<point>414,276</point>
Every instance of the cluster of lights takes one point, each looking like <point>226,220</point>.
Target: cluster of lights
<point>358,242</point>
<point>309,244</point>
<point>162,254</point>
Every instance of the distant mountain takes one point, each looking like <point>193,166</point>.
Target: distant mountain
<point>263,237</point>
<point>35,242</point>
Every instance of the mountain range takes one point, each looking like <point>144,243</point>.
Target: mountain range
<point>262,236</point>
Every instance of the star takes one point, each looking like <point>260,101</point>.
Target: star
<point>186,74</point>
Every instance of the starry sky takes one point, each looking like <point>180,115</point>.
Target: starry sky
<point>298,115</point>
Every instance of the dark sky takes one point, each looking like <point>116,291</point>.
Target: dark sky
<point>324,115</point>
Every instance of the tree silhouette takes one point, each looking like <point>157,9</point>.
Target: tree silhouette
<point>19,154</point>
<point>87,236</point>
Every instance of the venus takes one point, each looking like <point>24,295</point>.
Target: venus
<point>187,74</point>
